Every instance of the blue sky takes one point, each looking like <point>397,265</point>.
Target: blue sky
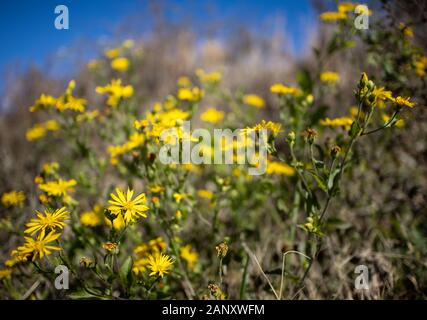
<point>28,36</point>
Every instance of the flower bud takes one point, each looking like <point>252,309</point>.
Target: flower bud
<point>310,135</point>
<point>222,249</point>
<point>291,138</point>
<point>335,151</point>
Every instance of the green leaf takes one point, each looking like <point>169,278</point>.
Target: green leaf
<point>333,181</point>
<point>320,182</point>
<point>304,80</point>
<point>126,270</point>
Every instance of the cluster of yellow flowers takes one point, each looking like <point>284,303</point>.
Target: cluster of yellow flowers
<point>117,58</point>
<point>344,8</point>
<point>13,199</point>
<point>39,130</point>
<point>65,102</point>
<point>45,228</point>
<point>116,92</point>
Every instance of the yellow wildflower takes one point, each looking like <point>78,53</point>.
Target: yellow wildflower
<point>43,102</point>
<point>190,94</point>
<point>5,273</point>
<point>274,127</point>
<point>92,218</point>
<point>180,196</point>
<point>206,194</point>
<point>274,167</point>
<point>382,94</point>
<point>36,132</point>
<point>59,188</point>
<point>254,100</point>
<point>120,64</point>
<point>116,92</point>
<point>212,77</point>
<point>13,199</point>
<point>189,256</point>
<point>39,247</point>
<point>283,90</point>
<point>157,189</point>
<point>404,102</point>
<point>159,264</point>
<point>130,209</point>
<point>49,220</point>
<point>212,115</point>
<point>329,77</point>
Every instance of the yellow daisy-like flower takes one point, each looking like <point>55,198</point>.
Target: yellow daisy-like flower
<point>131,209</point>
<point>44,102</point>
<point>39,247</point>
<point>115,92</point>
<point>189,255</point>
<point>92,218</point>
<point>281,89</point>
<point>47,221</point>
<point>329,77</point>
<point>13,199</point>
<point>212,115</point>
<point>254,100</point>
<point>180,196</point>
<point>280,168</point>
<point>206,194</point>
<point>59,188</point>
<point>382,94</point>
<point>274,127</point>
<point>159,264</point>
<point>5,273</point>
<point>404,102</point>
<point>190,94</point>
<point>120,64</point>
<point>212,77</point>
<point>36,132</point>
